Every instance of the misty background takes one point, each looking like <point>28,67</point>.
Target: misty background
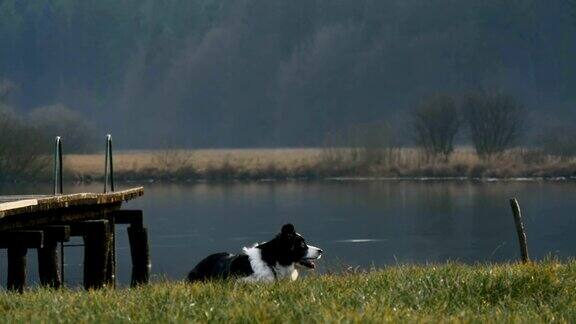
<point>268,73</point>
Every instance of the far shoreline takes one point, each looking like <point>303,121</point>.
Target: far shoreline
<point>310,164</point>
<point>177,181</point>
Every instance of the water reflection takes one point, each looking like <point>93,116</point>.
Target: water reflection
<point>356,223</point>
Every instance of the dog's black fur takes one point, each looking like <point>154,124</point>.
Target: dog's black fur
<point>286,249</point>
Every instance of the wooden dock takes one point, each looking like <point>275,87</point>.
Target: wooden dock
<point>43,221</point>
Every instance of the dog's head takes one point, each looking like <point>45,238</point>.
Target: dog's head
<point>292,248</point>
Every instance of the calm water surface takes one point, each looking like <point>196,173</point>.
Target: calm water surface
<point>357,223</point>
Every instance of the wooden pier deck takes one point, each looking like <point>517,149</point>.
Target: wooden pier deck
<point>44,221</point>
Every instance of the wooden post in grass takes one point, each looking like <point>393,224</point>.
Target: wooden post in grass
<point>520,229</point>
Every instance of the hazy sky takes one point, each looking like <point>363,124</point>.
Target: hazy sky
<point>236,73</point>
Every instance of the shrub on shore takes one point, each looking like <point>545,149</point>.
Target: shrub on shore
<point>560,142</point>
<point>496,121</point>
<point>435,124</point>
<point>78,135</point>
<point>26,142</point>
<point>22,155</point>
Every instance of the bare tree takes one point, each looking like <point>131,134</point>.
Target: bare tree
<point>172,160</point>
<point>559,140</point>
<point>6,87</point>
<point>78,133</point>
<point>362,144</point>
<point>572,9</point>
<point>435,124</point>
<point>22,153</point>
<point>496,121</point>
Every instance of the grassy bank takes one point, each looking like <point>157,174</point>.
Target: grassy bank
<point>280,164</point>
<point>520,293</point>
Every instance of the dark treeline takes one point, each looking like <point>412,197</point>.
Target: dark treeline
<point>231,73</point>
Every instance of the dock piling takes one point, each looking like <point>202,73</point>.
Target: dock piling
<point>39,221</point>
<point>111,264</point>
<point>139,248</point>
<point>16,268</point>
<point>18,243</point>
<point>140,251</point>
<point>48,269</point>
<point>96,234</point>
<point>48,265</point>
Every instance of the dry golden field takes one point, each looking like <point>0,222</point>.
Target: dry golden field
<point>315,163</point>
<point>200,160</point>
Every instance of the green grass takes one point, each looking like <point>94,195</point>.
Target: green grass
<point>541,292</point>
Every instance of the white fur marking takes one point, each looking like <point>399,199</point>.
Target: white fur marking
<point>313,252</point>
<point>286,272</point>
<point>262,271</point>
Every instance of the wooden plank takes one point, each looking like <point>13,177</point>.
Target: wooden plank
<point>18,204</point>
<point>86,227</point>
<point>57,216</point>
<point>55,233</point>
<point>4,199</point>
<point>22,239</point>
<point>128,216</point>
<point>66,201</point>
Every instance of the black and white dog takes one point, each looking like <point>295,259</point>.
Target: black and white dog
<point>265,262</point>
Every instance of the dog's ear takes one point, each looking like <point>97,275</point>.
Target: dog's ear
<point>288,229</point>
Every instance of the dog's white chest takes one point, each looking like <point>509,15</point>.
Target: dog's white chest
<point>263,273</point>
<point>288,272</point>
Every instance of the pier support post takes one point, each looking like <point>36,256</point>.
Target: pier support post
<point>18,243</point>
<point>111,264</point>
<point>16,268</point>
<point>48,269</point>
<point>96,250</point>
<point>96,236</point>
<point>139,248</point>
<point>48,265</point>
<point>140,251</point>
<point>520,229</point>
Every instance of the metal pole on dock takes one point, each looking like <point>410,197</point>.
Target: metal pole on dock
<point>108,166</point>
<point>58,190</point>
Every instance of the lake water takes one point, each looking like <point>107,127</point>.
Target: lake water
<point>356,223</point>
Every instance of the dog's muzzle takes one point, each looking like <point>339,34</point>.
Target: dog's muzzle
<point>313,254</point>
